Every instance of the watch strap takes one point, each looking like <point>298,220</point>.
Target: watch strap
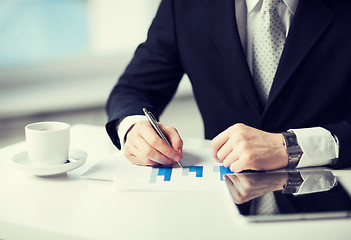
<point>293,149</point>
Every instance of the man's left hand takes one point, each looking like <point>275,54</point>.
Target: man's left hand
<point>241,147</point>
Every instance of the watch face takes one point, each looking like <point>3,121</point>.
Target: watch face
<point>293,149</point>
<point>291,140</point>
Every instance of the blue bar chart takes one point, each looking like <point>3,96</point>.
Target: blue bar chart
<point>165,172</point>
<point>198,170</point>
<point>222,171</point>
<point>204,177</point>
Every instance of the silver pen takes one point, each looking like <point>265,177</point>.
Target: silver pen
<point>150,117</point>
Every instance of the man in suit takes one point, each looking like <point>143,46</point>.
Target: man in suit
<point>271,79</point>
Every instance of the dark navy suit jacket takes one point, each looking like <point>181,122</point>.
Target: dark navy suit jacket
<point>312,86</point>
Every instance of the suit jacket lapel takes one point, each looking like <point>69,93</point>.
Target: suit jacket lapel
<point>311,19</point>
<point>221,19</point>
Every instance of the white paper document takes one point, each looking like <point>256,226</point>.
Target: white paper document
<point>200,172</point>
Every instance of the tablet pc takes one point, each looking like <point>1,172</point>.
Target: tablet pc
<point>295,195</point>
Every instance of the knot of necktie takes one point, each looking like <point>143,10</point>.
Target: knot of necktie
<point>270,5</point>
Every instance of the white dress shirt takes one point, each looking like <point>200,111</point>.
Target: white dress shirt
<point>318,145</point>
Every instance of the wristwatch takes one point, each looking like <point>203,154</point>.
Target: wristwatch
<point>293,149</point>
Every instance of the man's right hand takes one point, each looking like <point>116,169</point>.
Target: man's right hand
<point>145,147</point>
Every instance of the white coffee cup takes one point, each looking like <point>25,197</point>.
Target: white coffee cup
<point>48,142</point>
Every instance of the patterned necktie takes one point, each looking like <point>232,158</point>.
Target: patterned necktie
<point>268,43</point>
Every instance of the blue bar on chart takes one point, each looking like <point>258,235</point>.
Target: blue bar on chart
<point>198,170</point>
<point>166,172</point>
<point>222,171</point>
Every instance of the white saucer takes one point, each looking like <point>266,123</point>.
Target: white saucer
<point>76,159</point>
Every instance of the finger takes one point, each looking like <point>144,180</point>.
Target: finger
<point>225,150</point>
<point>218,142</point>
<point>154,140</point>
<point>148,153</point>
<point>230,159</point>
<point>241,150</point>
<point>132,153</point>
<point>237,166</point>
<point>173,137</point>
<point>144,153</point>
<point>138,144</point>
<point>137,161</point>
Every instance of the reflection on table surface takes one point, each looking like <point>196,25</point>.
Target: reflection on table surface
<point>295,192</point>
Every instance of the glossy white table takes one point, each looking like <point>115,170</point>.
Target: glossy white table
<point>71,207</point>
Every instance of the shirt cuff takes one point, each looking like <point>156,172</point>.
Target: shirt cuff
<point>318,145</point>
<point>126,123</point>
